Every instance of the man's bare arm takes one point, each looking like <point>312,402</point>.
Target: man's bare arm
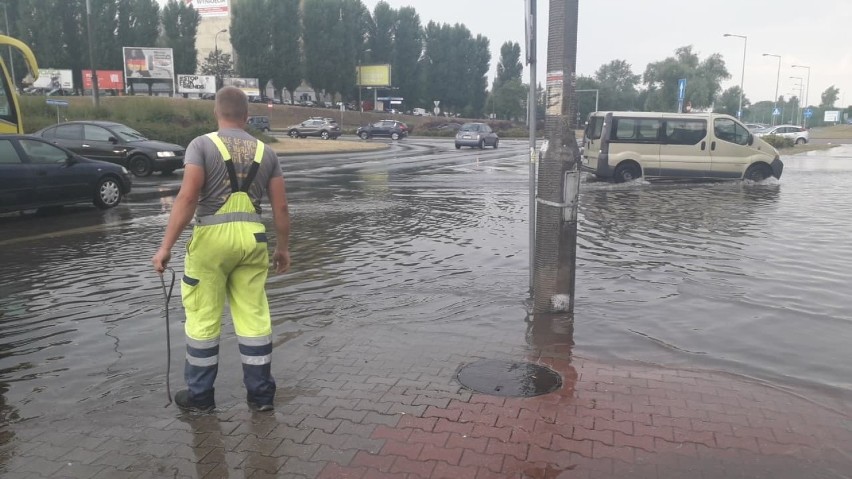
<point>281,216</point>
<point>183,210</point>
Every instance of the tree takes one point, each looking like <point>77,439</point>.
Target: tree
<point>617,86</point>
<point>407,50</point>
<point>455,67</point>
<point>138,23</point>
<point>219,65</point>
<point>381,33</point>
<point>287,65</point>
<point>586,102</point>
<point>704,80</point>
<point>729,102</point>
<point>323,52</point>
<point>508,100</point>
<point>509,68</point>
<point>180,28</point>
<point>829,97</point>
<point>251,37</point>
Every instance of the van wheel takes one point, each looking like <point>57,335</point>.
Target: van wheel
<point>627,172</point>
<point>758,172</point>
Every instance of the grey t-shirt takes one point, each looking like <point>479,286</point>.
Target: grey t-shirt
<point>217,185</point>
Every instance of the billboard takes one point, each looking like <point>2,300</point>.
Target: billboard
<point>249,86</point>
<point>196,84</point>
<point>53,79</point>
<point>210,8</point>
<point>107,80</point>
<point>148,63</point>
<point>832,117</point>
<point>374,75</point>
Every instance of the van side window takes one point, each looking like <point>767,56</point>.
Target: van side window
<point>730,131</point>
<point>645,130</point>
<point>685,132</point>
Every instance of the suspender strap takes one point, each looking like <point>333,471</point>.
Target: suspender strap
<point>258,156</point>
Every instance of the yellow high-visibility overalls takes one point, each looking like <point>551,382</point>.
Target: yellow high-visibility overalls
<point>228,256</point>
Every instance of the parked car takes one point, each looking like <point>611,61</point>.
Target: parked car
<point>799,135</point>
<point>325,128</point>
<point>478,135</point>
<point>116,143</point>
<point>259,123</point>
<point>37,174</point>
<point>392,129</point>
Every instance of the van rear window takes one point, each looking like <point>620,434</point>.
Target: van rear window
<point>594,128</point>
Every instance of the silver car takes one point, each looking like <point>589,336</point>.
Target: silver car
<point>476,135</point>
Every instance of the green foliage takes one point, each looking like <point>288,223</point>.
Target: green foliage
<point>322,46</point>
<point>509,99</point>
<point>779,142</point>
<point>382,33</point>
<point>219,65</point>
<point>287,67</point>
<point>180,28</point>
<point>251,37</point>
<point>509,68</point>
<point>455,66</point>
<point>408,48</point>
<point>729,102</point>
<point>704,79</point>
<point>829,97</point>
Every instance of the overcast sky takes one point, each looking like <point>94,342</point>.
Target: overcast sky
<point>644,31</point>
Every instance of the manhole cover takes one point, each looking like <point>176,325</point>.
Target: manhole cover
<point>506,378</point>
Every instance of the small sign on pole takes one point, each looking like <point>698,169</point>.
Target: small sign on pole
<point>776,112</point>
<point>58,104</point>
<point>809,113</point>
<point>681,94</point>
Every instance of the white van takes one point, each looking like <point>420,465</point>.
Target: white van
<point>624,146</point>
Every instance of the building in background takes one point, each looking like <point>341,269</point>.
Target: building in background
<point>215,17</point>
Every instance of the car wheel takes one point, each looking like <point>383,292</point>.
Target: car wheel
<point>293,133</point>
<point>627,172</point>
<point>758,172</point>
<point>324,135</point>
<point>481,144</point>
<point>458,147</point>
<point>364,135</point>
<point>801,141</point>
<point>140,165</point>
<point>108,193</point>
<point>394,136</point>
<point>496,142</point>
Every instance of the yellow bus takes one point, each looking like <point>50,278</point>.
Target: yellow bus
<point>10,109</point>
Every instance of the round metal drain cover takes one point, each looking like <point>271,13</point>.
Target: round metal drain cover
<point>507,378</point>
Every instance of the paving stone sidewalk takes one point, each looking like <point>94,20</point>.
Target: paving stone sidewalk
<point>384,403</point>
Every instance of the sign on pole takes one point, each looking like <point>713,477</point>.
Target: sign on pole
<point>776,112</point>
<point>210,8</point>
<point>52,79</point>
<point>437,111</point>
<point>437,102</point>
<point>144,63</point>
<point>681,94</point>
<point>530,11</point>
<point>199,84</point>
<point>107,80</point>
<point>832,117</point>
<point>809,113</point>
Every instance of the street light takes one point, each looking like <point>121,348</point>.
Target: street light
<point>742,79</point>
<point>777,83</point>
<point>801,87</point>
<point>95,87</point>
<point>216,49</point>
<point>807,89</point>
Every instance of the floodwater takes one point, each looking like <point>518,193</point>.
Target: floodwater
<point>751,279</point>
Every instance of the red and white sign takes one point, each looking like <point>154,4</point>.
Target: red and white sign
<point>211,8</point>
<point>107,80</point>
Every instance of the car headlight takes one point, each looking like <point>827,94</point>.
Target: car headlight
<point>124,170</point>
<point>165,154</point>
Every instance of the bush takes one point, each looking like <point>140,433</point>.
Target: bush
<point>173,120</point>
<point>779,142</point>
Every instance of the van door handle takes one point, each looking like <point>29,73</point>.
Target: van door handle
<point>86,146</point>
<point>713,146</point>
<point>703,145</point>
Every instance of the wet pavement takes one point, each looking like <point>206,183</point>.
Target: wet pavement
<point>710,339</point>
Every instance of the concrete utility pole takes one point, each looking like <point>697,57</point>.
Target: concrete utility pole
<point>95,87</point>
<point>532,103</point>
<point>558,173</point>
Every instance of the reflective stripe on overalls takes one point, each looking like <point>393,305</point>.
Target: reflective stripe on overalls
<point>228,258</point>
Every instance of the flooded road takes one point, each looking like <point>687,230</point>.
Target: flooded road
<point>426,242</point>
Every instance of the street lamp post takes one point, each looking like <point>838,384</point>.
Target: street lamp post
<point>777,83</point>
<point>742,79</point>
<point>95,98</point>
<point>216,50</point>
<point>597,95</point>
<point>807,90</point>
<point>801,85</point>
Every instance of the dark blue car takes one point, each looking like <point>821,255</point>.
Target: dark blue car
<point>37,174</point>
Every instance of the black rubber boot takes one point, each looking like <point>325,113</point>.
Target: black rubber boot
<point>185,402</point>
<point>256,407</point>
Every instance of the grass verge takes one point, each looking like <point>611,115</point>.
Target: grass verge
<point>299,146</point>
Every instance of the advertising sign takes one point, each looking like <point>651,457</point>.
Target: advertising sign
<point>832,117</point>
<point>148,63</point>
<point>53,79</point>
<point>374,75</point>
<point>249,86</point>
<point>210,8</point>
<point>196,84</point>
<point>107,80</point>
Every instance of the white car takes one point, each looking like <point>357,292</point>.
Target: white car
<point>799,135</point>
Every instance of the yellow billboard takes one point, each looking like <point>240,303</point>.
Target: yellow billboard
<point>374,75</point>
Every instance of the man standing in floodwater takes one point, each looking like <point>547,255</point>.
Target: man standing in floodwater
<point>225,176</point>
